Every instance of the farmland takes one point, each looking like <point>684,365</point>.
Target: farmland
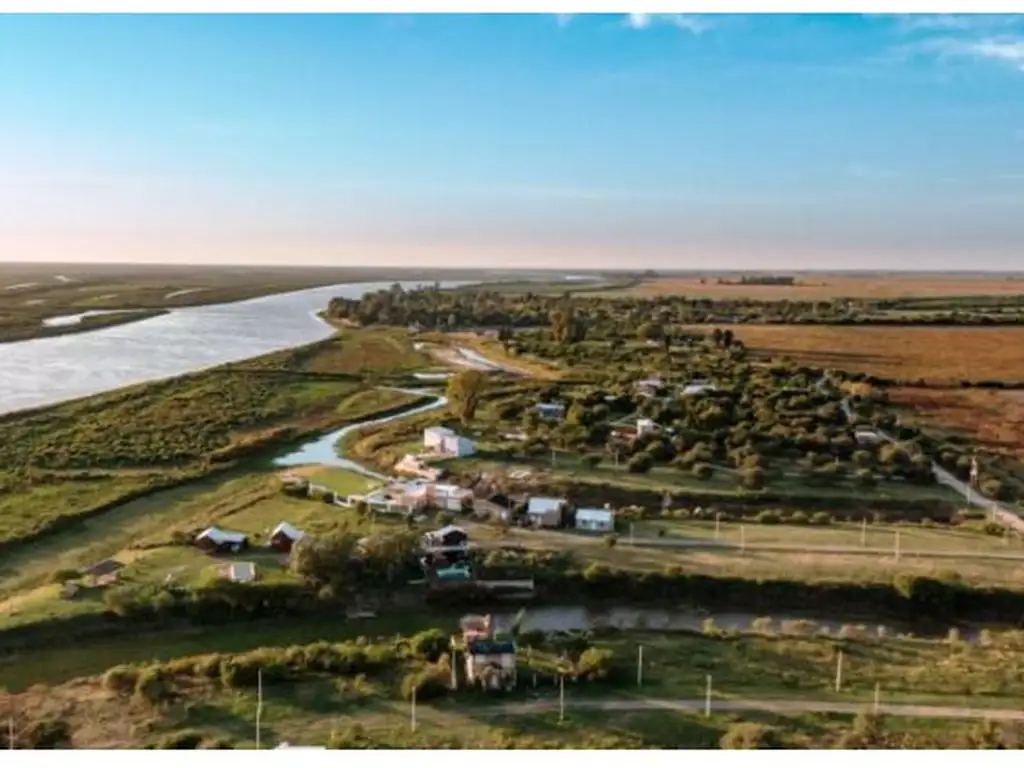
<point>937,355</point>
<point>815,286</point>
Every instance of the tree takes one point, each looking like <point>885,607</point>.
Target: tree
<point>325,559</point>
<point>752,478</point>
<point>750,736</point>
<point>464,391</point>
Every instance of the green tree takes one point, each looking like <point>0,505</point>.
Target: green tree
<point>464,391</point>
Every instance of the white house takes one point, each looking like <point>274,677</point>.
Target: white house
<point>433,437</point>
<point>697,387</point>
<point>446,442</point>
<point>214,539</point>
<point>550,410</point>
<point>591,519</point>
<point>545,513</point>
<point>650,385</point>
<point>243,573</point>
<point>866,436</point>
<point>646,426</point>
<point>413,465</point>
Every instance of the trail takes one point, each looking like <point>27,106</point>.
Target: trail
<point>777,706</point>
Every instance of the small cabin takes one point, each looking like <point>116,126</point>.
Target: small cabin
<point>214,540</point>
<point>285,536</point>
<point>595,519</point>
<point>545,513</point>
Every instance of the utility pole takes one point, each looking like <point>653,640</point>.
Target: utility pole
<point>412,711</point>
<point>839,671</point>
<point>864,532</point>
<point>743,538</point>
<point>878,696</point>
<point>259,705</point>
<point>631,534</point>
<point>897,551</point>
<point>639,666</point>
<point>561,698</point>
<point>718,525</point>
<point>707,698</point>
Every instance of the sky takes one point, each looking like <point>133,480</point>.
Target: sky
<point>664,141</point>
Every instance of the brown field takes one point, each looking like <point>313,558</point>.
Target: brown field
<point>815,287</point>
<point>994,419</point>
<point>940,354</point>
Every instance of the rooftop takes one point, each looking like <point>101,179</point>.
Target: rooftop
<point>222,537</point>
<point>288,530</point>
<point>595,514</point>
<point>539,505</point>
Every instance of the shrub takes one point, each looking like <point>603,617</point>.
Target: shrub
<point>703,471</point>
<point>750,736</point>
<point>121,679</point>
<point>51,733</point>
<point>595,664</point>
<point>188,739</point>
<point>611,540</point>
<point>640,463</point>
<point>992,488</point>
<point>151,685</point>
<point>64,574</point>
<point>798,518</point>
<point>430,644</point>
<point>752,479</point>
<point>865,478</point>
<point>821,518</point>
<point>767,517</point>
<point>427,683</point>
<point>590,460</point>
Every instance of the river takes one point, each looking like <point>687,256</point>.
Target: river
<point>41,372</point>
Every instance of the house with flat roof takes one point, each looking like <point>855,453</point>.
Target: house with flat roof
<point>595,519</point>
<point>545,512</point>
<point>552,411</point>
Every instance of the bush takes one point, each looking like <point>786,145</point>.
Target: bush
<point>121,679</point>
<point>767,517</point>
<point>798,518</point>
<point>611,540</point>
<point>752,479</point>
<point>430,644</point>
<point>63,575</point>
<point>640,463</point>
<point>750,736</point>
<point>188,739</point>
<point>865,478</point>
<point>151,685</point>
<point>427,683</point>
<point>595,664</point>
<point>703,471</point>
<point>821,518</point>
<point>45,734</point>
<point>590,460</point>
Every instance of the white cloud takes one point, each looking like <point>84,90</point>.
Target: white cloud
<point>689,23</point>
<point>1008,50</point>
<point>949,22</point>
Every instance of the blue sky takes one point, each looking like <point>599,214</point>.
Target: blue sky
<point>668,141</point>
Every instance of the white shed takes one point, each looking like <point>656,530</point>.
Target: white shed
<point>433,437</point>
<point>593,519</point>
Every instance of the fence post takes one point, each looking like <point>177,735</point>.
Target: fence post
<point>707,698</point>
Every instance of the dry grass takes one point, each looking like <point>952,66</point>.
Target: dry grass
<point>992,418</point>
<point>935,354</point>
<point>814,287</point>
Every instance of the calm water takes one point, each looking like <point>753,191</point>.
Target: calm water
<point>46,371</point>
<point>323,450</point>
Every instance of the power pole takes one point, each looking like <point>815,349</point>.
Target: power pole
<point>864,532</point>
<point>839,671</point>
<point>561,698</point>
<point>639,666</point>
<point>259,705</point>
<point>412,711</point>
<point>878,696</point>
<point>897,550</point>
<point>707,698</point>
<point>631,534</point>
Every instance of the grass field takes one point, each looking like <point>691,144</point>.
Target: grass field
<point>940,355</point>
<point>765,667</point>
<point>811,286</point>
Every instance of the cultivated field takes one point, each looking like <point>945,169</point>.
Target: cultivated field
<point>811,286</point>
<point>937,355</point>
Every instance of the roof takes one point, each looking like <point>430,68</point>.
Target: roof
<point>541,506</point>
<point>448,530</point>
<point>693,389</point>
<point>439,432</point>
<point>551,406</point>
<point>491,647</point>
<point>595,515</point>
<point>288,530</point>
<point>104,568</point>
<point>242,571</point>
<point>223,537</point>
